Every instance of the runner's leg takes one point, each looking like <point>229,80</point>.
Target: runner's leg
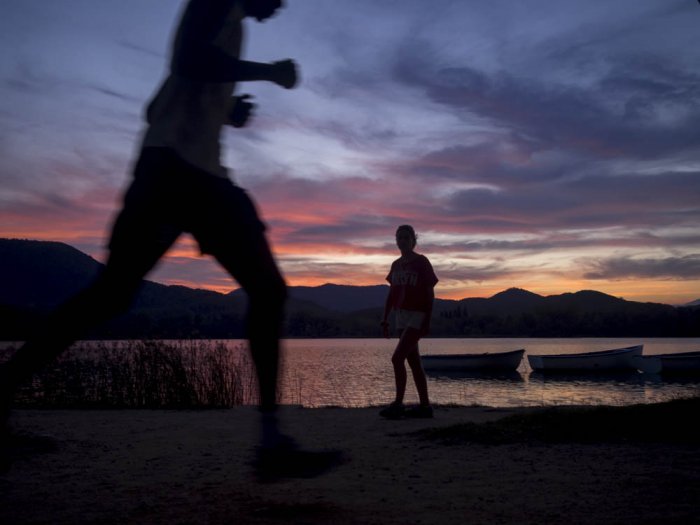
<point>278,456</point>
<point>258,274</point>
<point>232,232</point>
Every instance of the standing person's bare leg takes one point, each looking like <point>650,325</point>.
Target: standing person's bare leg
<point>419,378</point>
<point>398,361</point>
<point>424,410</point>
<point>406,345</point>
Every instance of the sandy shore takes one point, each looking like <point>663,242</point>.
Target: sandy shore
<point>141,466</point>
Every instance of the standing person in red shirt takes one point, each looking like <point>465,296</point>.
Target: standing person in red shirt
<point>411,296</point>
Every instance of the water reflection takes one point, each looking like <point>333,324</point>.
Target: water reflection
<point>619,376</point>
<point>670,380</point>
<point>486,375</point>
<point>350,372</point>
<point>631,377</point>
<point>358,372</point>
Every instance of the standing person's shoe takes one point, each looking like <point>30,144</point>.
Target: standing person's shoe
<point>393,411</point>
<point>420,412</point>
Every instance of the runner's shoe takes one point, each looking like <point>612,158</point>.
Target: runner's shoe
<point>287,460</point>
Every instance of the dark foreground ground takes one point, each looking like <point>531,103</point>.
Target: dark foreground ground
<point>599,465</point>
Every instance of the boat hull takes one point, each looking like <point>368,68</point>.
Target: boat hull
<point>473,362</point>
<point>606,360</point>
<point>672,364</point>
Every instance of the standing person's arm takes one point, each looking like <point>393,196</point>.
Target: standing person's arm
<point>429,280</point>
<point>389,303</point>
<point>387,310</point>
<point>425,328</point>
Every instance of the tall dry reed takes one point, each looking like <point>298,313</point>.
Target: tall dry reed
<point>146,374</point>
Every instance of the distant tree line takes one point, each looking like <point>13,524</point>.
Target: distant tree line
<point>678,322</point>
<point>456,321</point>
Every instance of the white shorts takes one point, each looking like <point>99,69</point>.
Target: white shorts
<point>409,319</point>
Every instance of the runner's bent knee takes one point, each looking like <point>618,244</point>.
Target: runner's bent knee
<point>270,292</point>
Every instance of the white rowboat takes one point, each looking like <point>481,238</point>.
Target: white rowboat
<point>473,362</point>
<point>676,363</point>
<point>616,359</point>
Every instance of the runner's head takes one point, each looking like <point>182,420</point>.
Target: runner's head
<point>261,10</point>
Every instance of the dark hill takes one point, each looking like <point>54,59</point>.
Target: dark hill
<point>342,298</point>
<point>589,300</point>
<point>517,313</point>
<point>515,300</point>
<point>42,274</point>
<point>35,276</point>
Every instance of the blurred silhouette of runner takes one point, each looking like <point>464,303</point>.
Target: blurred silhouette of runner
<point>411,297</point>
<point>179,185</point>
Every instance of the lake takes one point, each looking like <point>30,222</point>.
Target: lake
<point>347,373</point>
<point>358,372</point>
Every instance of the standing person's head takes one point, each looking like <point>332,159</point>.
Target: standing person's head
<point>406,238</point>
<point>261,9</point>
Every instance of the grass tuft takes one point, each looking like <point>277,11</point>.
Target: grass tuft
<point>668,422</point>
<point>145,374</point>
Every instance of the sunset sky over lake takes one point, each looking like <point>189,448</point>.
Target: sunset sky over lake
<point>547,145</point>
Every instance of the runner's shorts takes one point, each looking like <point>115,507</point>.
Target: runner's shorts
<point>169,196</point>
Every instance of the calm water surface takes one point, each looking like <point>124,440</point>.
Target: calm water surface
<point>358,372</point>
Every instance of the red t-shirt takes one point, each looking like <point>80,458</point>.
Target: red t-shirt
<point>410,281</point>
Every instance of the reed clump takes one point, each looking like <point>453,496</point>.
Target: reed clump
<point>146,374</point>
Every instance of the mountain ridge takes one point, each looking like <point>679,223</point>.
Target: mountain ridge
<point>35,276</point>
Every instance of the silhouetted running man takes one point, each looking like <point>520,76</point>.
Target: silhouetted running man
<point>179,185</point>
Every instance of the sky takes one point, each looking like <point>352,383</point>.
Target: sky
<point>547,145</point>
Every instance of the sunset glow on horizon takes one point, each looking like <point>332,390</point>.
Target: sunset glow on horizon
<point>553,147</point>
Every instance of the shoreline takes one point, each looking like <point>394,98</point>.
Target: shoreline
<point>193,466</point>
